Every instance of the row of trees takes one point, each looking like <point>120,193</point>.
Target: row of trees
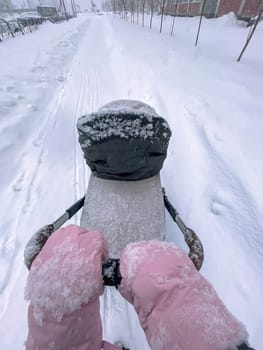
<point>118,6</point>
<point>136,10</point>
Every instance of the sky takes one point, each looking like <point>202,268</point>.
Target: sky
<point>213,171</point>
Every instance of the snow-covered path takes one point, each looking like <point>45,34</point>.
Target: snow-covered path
<point>214,169</point>
<point>50,174</point>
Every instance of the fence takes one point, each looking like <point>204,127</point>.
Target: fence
<point>15,27</point>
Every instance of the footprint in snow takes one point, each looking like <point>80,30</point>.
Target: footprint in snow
<point>43,79</point>
<point>7,88</point>
<point>20,97</point>
<point>11,103</point>
<point>18,186</point>
<point>32,107</point>
<point>37,142</point>
<point>38,68</point>
<point>197,106</point>
<point>61,78</point>
<point>218,206</point>
<point>63,44</point>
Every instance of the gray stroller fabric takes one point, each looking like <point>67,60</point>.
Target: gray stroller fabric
<point>125,145</point>
<point>124,211</point>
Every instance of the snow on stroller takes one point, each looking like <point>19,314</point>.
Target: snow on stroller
<point>124,144</point>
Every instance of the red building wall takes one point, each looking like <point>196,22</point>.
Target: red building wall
<point>251,8</point>
<point>182,8</point>
<point>227,6</point>
<point>192,9</point>
<point>195,8</point>
<point>172,9</point>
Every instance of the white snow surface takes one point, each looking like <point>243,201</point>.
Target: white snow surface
<point>214,170</point>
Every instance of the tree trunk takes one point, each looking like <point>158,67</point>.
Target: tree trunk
<point>137,11</point>
<point>172,30</point>
<point>143,8</point>
<point>200,22</point>
<point>251,33</point>
<point>151,20</point>
<point>161,25</point>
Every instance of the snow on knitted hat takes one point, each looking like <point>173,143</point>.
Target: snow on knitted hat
<point>124,140</point>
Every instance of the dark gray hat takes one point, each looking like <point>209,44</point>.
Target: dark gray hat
<point>125,140</point>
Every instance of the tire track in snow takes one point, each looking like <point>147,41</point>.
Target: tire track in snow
<point>12,248</point>
<point>222,198</point>
<point>27,180</point>
<point>88,101</point>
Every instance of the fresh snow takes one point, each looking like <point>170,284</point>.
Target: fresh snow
<point>214,169</point>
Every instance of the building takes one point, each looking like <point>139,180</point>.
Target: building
<point>215,8</point>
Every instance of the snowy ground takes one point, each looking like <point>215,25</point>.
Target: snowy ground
<point>214,170</point>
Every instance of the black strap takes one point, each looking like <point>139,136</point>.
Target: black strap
<point>244,346</point>
<point>75,207</point>
<point>111,272</point>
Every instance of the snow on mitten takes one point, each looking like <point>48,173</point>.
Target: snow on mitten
<point>177,307</point>
<point>63,287</point>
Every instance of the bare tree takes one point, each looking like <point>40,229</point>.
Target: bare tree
<point>162,11</point>
<point>175,13</point>
<point>143,11</point>
<point>200,22</point>
<point>132,11</point>
<point>73,7</point>
<point>151,20</point>
<point>124,7</point>
<point>137,11</point>
<point>64,8</point>
<point>251,33</point>
<point>114,6</point>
